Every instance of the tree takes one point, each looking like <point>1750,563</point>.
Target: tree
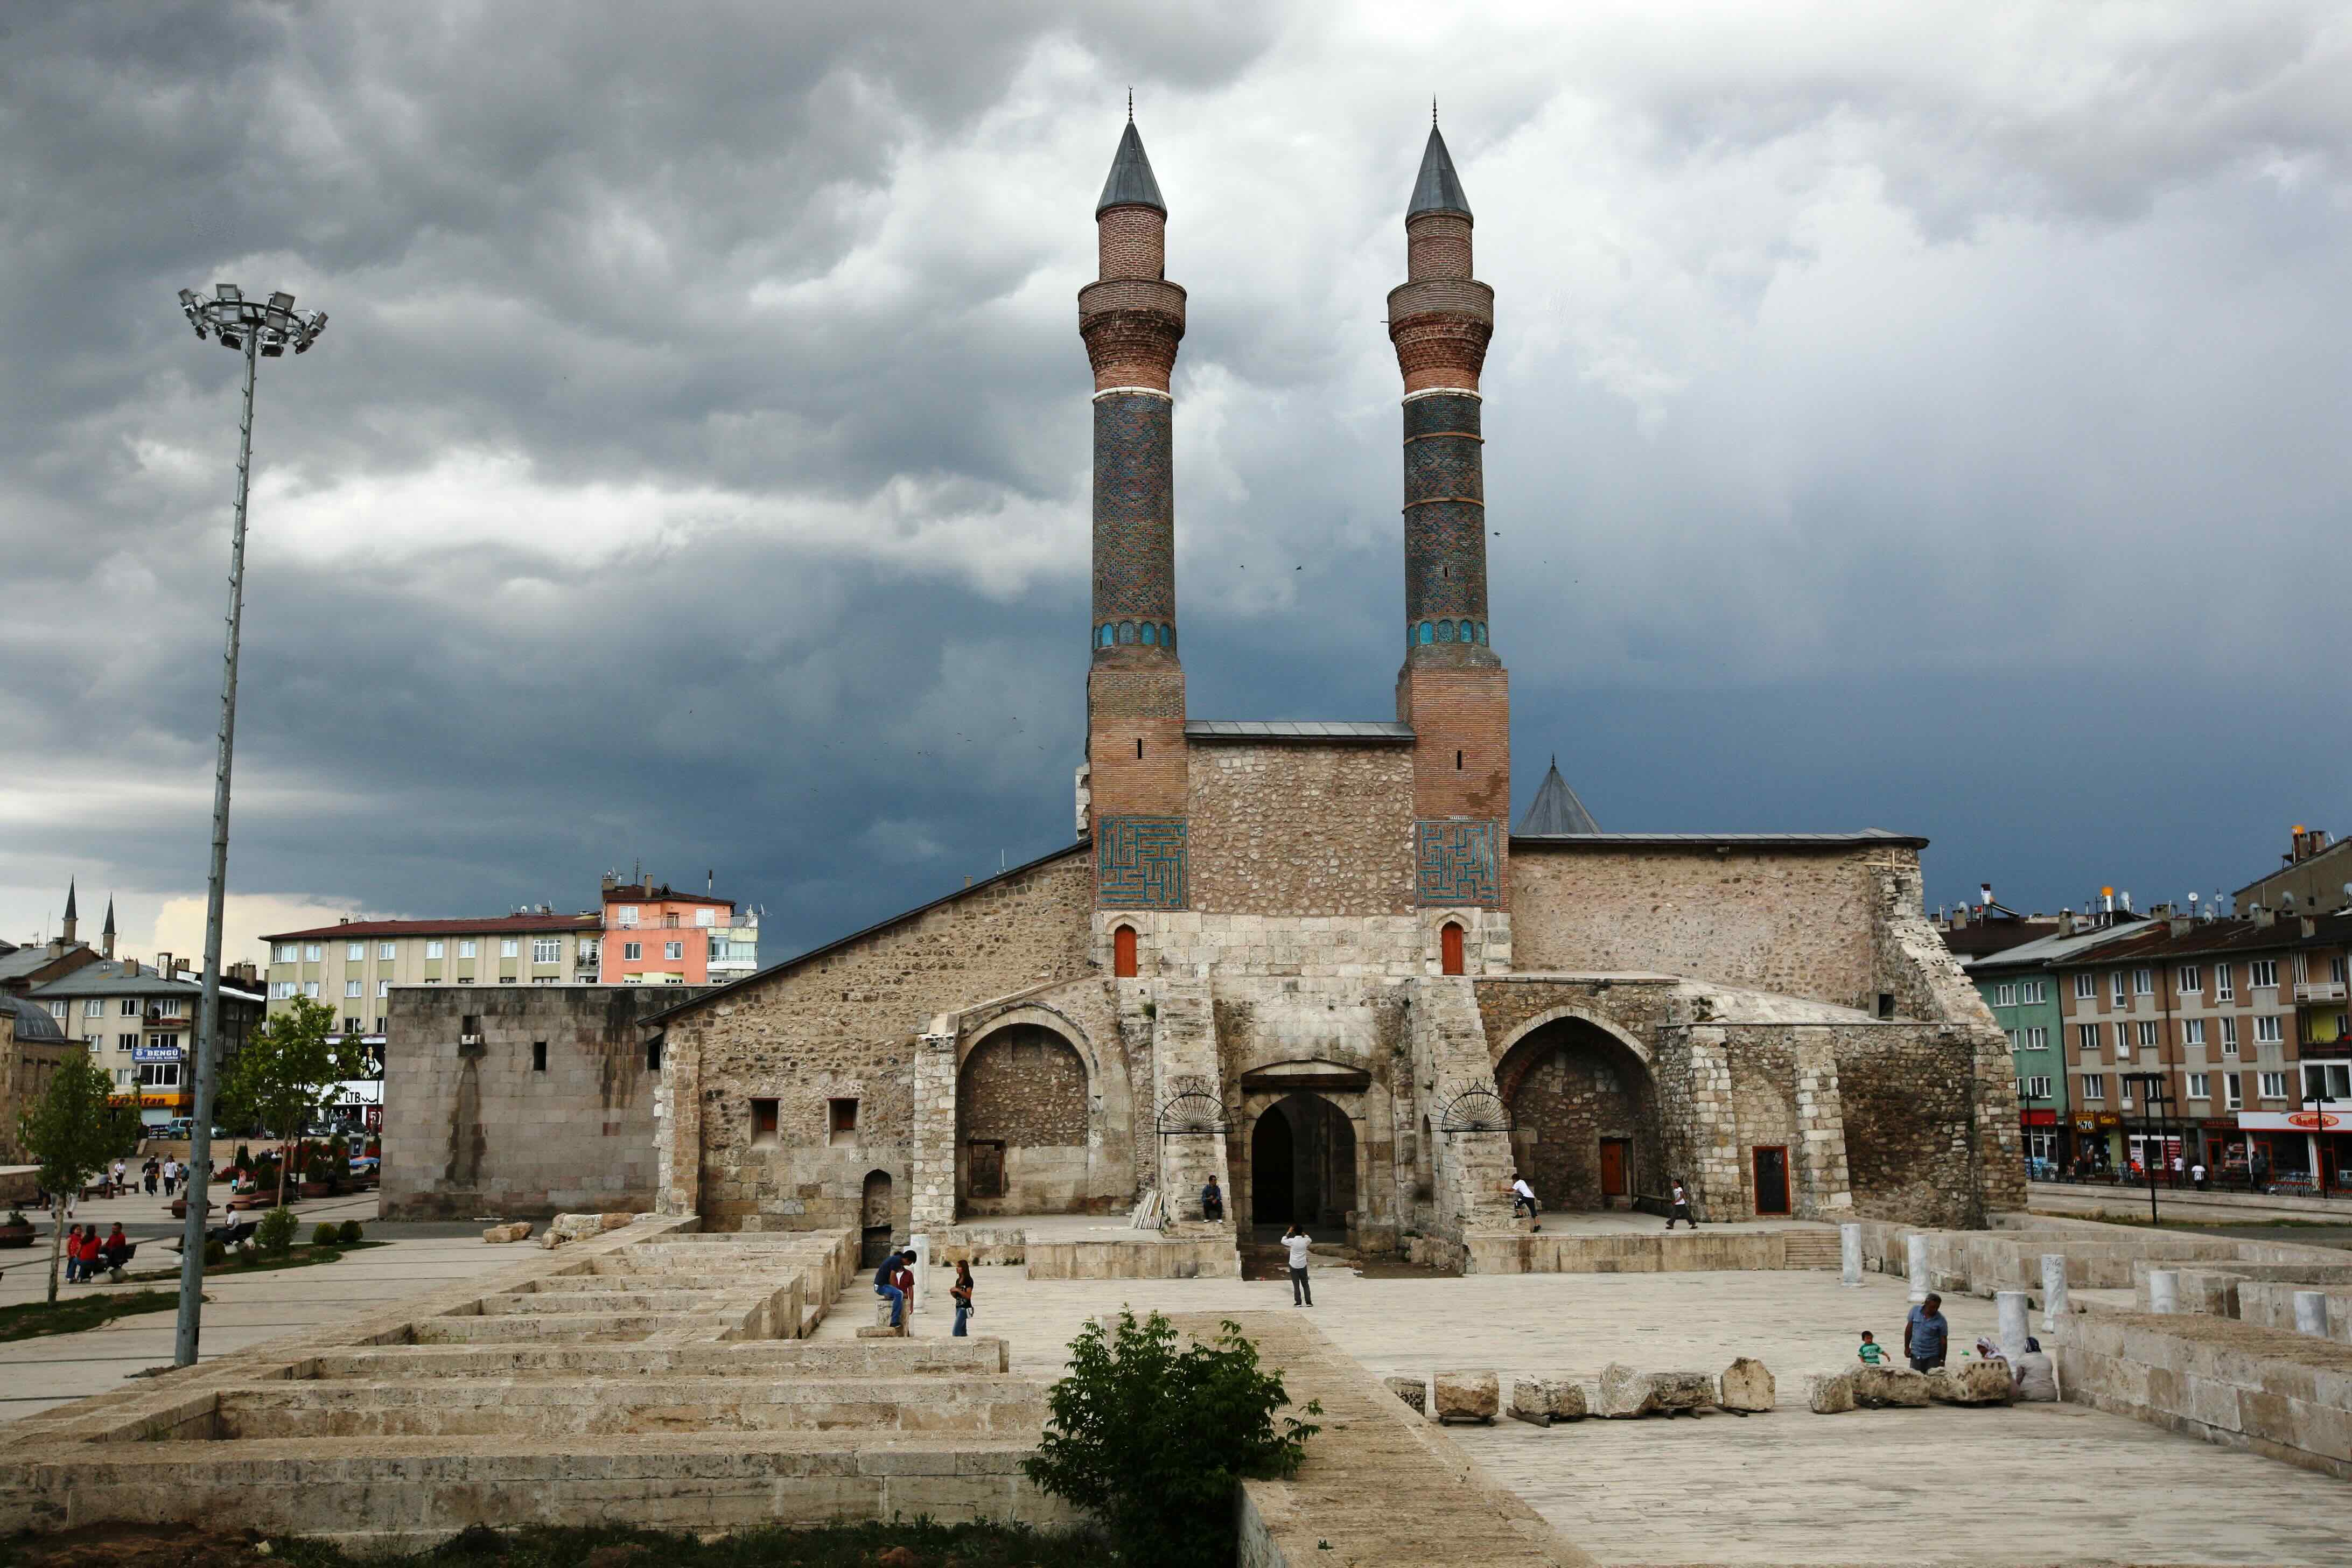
<point>1154,1438</point>
<point>72,1130</point>
<point>287,1072</point>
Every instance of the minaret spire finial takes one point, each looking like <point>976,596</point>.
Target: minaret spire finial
<point>1130,106</point>
<point>1432,111</point>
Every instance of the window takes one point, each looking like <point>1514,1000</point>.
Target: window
<point>158,1074</point>
<point>310,989</point>
<point>2261,974</point>
<point>125,1042</point>
<point>2193,1031</point>
<point>2200,1086</point>
<point>130,1006</point>
<point>2221,988</point>
<point>632,951</point>
<point>351,1025</point>
<point>506,979</point>
<point>2229,1037</point>
<point>383,989</point>
<point>2013,1038</point>
<point>124,1075</point>
<point>2004,996</point>
<point>95,1007</point>
<point>2273,1086</point>
<point>351,988</point>
<point>2148,1035</point>
<point>2123,1042</point>
<point>632,979</point>
<point>469,948</point>
<point>280,990</point>
<point>379,1028</point>
<point>628,915</point>
<point>2189,979</point>
<point>172,1007</point>
<point>2095,1086</point>
<point>2329,1081</point>
<point>2036,1088</point>
<point>653,1054</point>
<point>2232,1095</point>
<point>592,952</point>
<point>538,1056</point>
<point>706,916</point>
<point>509,947</point>
<point>283,953</point>
<point>386,951</point>
<point>1886,1004</point>
<point>2123,1089</point>
<point>354,952</point>
<point>56,1009</point>
<point>2302,966</point>
<point>434,944</point>
<point>2336,969</point>
<point>2086,1038</point>
<point>841,1120</point>
<point>310,953</point>
<point>2033,991</point>
<point>547,949</point>
<point>2143,982</point>
<point>763,1125</point>
<point>2037,1038</point>
<point>2086,986</point>
<point>2266,1030</point>
<point>672,950</point>
<point>2115,986</point>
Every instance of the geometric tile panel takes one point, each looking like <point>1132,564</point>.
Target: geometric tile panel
<point>1139,862</point>
<point>1456,862</point>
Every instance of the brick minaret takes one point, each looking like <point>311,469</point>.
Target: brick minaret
<point>1132,318</point>
<point>1452,690</point>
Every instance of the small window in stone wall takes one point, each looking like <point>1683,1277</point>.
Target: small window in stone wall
<point>841,1122</point>
<point>653,1054</point>
<point>538,1056</point>
<point>1886,1004</point>
<point>763,1125</point>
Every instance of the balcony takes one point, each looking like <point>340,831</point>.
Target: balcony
<point>2319,990</point>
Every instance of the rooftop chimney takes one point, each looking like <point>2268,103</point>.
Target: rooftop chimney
<point>2264,915</point>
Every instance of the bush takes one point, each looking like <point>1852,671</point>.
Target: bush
<point>276,1232</point>
<point>326,1235</point>
<point>350,1233</point>
<point>1154,1437</point>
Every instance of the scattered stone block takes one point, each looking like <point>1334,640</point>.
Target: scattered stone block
<point>505,1233</point>
<point>1624,1392</point>
<point>1829,1393</point>
<point>1971,1382</point>
<point>619,1221</point>
<point>1466,1395</point>
<point>1567,1401</point>
<point>1874,1387</point>
<point>1413,1391</point>
<point>1746,1384</point>
<point>1537,1400</point>
<point>1673,1391</point>
<point>883,1332</point>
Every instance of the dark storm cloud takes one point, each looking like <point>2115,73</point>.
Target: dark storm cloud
<point>1894,419</point>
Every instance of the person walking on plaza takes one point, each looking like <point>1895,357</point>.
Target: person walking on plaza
<point>2197,1175</point>
<point>886,1284</point>
<point>1925,1334</point>
<point>1212,1201</point>
<point>1681,1211</point>
<point>171,1175</point>
<point>1297,1241</point>
<point>960,1294</point>
<point>1524,1196</point>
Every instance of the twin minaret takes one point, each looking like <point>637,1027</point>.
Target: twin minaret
<point>1452,691</point>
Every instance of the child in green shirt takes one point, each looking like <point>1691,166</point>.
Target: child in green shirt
<point>1871,1352</point>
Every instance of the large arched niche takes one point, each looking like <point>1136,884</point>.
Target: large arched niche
<point>1029,1119</point>
<point>1584,1111</point>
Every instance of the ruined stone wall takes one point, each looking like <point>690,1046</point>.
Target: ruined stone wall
<point>1301,829</point>
<point>24,1070</point>
<point>1023,1090</point>
<point>842,1025</point>
<point>1802,922</point>
<point>472,1128</point>
<point>1566,1094</point>
<point>1909,1099</point>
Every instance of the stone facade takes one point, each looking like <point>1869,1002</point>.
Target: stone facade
<point>1307,829</point>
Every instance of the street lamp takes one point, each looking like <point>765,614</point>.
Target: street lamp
<point>260,330</point>
<point>2153,1097</point>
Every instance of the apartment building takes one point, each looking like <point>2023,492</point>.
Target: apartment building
<point>2021,984</point>
<point>658,935</point>
<point>139,1021</point>
<point>2240,1024</point>
<point>2314,874</point>
<point>352,966</point>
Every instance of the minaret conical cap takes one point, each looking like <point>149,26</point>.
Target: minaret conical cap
<point>1439,188</point>
<point>1130,184</point>
<point>109,918</point>
<point>69,901</point>
<point>1555,812</point>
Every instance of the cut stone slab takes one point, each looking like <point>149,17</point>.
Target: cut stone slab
<point>1568,1400</point>
<point>1413,1391</point>
<point>1466,1395</point>
<point>1537,1400</point>
<point>1624,1392</point>
<point>1883,1385</point>
<point>1829,1393</point>
<point>1748,1386</point>
<point>505,1233</point>
<point>884,1332</point>
<point>1673,1391</point>
<point>1972,1383</point>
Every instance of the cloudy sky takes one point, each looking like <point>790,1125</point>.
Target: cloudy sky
<point>1926,417</point>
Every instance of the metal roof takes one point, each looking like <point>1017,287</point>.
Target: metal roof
<point>2053,949</point>
<point>1439,188</point>
<point>33,1022</point>
<point>1791,840</point>
<point>25,960</point>
<point>107,978</point>
<point>1556,810</point>
<point>1296,730</point>
<point>512,925</point>
<point>1130,184</point>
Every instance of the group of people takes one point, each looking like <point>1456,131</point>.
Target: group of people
<point>1927,1345</point>
<point>88,1256</point>
<point>894,1282</point>
<point>1523,1201</point>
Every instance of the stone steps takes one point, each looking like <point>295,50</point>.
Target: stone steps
<point>972,1356</point>
<point>1810,1248</point>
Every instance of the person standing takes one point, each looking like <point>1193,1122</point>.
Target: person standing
<point>960,1293</point>
<point>1297,1241</point>
<point>1681,1210</point>
<point>122,1177</point>
<point>171,1175</point>
<point>2197,1175</point>
<point>1926,1335</point>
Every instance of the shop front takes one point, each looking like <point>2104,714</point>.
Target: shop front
<point>2222,1148</point>
<point>2097,1150</point>
<point>2044,1135</point>
<point>2286,1147</point>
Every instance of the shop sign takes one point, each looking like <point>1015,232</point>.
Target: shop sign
<point>2092,1121</point>
<point>2293,1121</point>
<point>155,1054</point>
<point>2218,1124</point>
<point>2039,1118</point>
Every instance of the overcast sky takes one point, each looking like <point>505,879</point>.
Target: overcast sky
<point>1926,416</point>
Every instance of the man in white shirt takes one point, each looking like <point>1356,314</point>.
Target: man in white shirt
<point>1681,1209</point>
<point>2197,1175</point>
<point>1297,1241</point>
<point>1523,1196</point>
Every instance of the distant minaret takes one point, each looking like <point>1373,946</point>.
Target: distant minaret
<point>1132,318</point>
<point>1452,690</point>
<point>73,919</point>
<point>107,936</point>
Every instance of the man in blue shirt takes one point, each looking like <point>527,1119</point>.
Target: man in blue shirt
<point>883,1286</point>
<point>1926,1335</point>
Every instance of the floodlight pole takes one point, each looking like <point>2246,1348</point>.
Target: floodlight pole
<point>207,1063</point>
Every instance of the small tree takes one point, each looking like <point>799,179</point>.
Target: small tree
<point>1154,1437</point>
<point>287,1074</point>
<point>72,1130</point>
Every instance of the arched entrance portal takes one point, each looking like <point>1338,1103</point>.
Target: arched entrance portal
<point>1584,1111</point>
<point>1303,1164</point>
<point>1021,1125</point>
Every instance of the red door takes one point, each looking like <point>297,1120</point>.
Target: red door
<point>1122,953</point>
<point>1612,1167</point>
<point>1449,949</point>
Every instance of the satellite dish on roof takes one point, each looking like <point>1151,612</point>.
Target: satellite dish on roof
<point>2286,900</point>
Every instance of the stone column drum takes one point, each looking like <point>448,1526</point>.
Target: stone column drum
<point>2054,1289</point>
<point>1914,1265</point>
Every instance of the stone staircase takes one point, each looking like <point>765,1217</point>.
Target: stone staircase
<point>1810,1248</point>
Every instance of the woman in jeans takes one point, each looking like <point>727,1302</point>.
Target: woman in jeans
<point>960,1293</point>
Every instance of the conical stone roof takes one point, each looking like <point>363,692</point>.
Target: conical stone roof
<point>1555,812</point>
<point>1130,184</point>
<point>1439,188</point>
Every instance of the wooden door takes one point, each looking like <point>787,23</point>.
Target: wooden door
<point>1772,1180</point>
<point>1612,1167</point>
<point>1449,948</point>
<point>987,1167</point>
<point>1122,946</point>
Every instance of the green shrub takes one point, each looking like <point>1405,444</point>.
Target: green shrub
<point>350,1233</point>
<point>276,1232</point>
<point>327,1235</point>
<point>1153,1437</point>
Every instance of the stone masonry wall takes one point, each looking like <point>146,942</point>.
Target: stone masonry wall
<point>473,1128</point>
<point>1301,829</point>
<point>1909,1098</point>
<point>843,1024</point>
<point>1025,1088</point>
